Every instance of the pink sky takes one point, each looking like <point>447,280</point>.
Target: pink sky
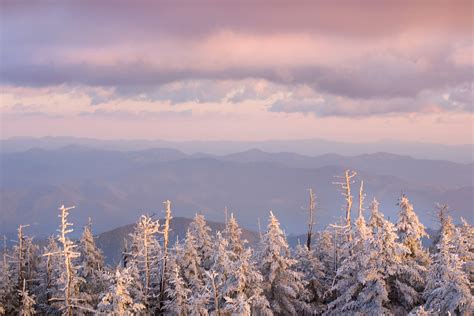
<point>250,71</point>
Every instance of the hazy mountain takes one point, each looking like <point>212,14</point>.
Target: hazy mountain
<point>112,242</point>
<point>309,147</point>
<point>115,187</point>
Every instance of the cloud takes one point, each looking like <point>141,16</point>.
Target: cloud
<point>377,51</point>
<point>456,99</point>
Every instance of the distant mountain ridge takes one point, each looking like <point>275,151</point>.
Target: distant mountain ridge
<point>112,242</point>
<point>115,187</point>
<point>310,147</point>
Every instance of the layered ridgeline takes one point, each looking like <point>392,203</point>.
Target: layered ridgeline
<point>369,267</point>
<point>116,187</point>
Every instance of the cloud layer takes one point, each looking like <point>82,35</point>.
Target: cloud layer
<point>318,58</point>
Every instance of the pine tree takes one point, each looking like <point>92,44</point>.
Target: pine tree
<point>122,297</point>
<point>146,255</point>
<point>324,252</point>
<point>91,268</point>
<point>360,286</point>
<point>27,305</point>
<point>447,289</point>
<point>466,250</point>
<point>193,275</point>
<point>411,231</point>
<point>282,285</point>
<point>219,272</point>
<point>8,285</point>
<point>67,299</point>
<point>312,271</point>
<point>203,241</point>
<point>233,234</point>
<point>177,291</point>
<point>403,277</point>
<point>416,261</point>
<point>50,270</point>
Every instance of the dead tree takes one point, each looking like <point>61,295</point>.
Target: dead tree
<point>166,229</point>
<point>311,210</point>
<point>345,185</point>
<point>68,255</point>
<point>21,255</point>
<point>361,198</point>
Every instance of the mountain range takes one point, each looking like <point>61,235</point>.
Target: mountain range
<point>114,187</point>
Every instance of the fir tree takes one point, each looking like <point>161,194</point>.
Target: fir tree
<point>203,241</point>
<point>411,231</point>
<point>312,271</point>
<point>27,305</point>
<point>403,277</point>
<point>282,285</point>
<point>145,256</point>
<point>176,290</point>
<point>67,284</point>
<point>91,268</point>
<point>447,289</point>
<point>360,286</point>
<point>122,297</point>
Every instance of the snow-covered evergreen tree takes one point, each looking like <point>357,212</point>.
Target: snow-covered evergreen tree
<point>91,268</point>
<point>146,255</point>
<point>360,287</point>
<point>403,277</point>
<point>411,231</point>
<point>123,297</point>
<point>66,298</point>
<point>466,250</point>
<point>447,288</point>
<point>313,276</point>
<point>233,234</point>
<point>27,302</point>
<point>324,251</point>
<point>50,270</point>
<point>219,272</point>
<point>177,292</point>
<point>282,285</point>
<point>203,241</point>
<point>8,285</point>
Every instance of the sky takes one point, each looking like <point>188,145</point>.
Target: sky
<point>353,71</point>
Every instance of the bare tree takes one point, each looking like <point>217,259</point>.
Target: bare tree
<point>361,198</point>
<point>345,185</point>
<point>166,229</point>
<point>67,252</point>
<point>311,210</point>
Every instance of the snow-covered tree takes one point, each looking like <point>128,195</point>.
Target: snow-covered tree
<point>219,272</point>
<point>447,288</point>
<point>403,277</point>
<point>313,276</point>
<point>466,250</point>
<point>50,272</point>
<point>177,292</point>
<point>233,234</point>
<point>91,268</point>
<point>27,302</point>
<point>360,288</point>
<point>145,256</point>
<point>203,241</point>
<point>8,285</point>
<point>243,289</point>
<point>324,251</point>
<point>282,285</point>
<point>122,297</point>
<point>411,231</point>
<point>166,231</point>
<point>67,297</point>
